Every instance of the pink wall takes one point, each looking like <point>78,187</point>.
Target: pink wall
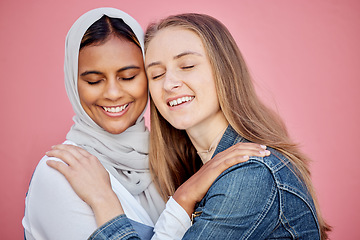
<point>304,56</point>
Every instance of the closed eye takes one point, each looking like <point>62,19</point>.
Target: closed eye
<point>158,76</point>
<point>128,78</point>
<point>93,83</point>
<point>187,67</point>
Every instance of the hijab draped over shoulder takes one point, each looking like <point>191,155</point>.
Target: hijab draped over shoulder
<point>124,155</point>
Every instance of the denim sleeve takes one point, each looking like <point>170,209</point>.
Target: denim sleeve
<point>117,228</point>
<point>241,204</point>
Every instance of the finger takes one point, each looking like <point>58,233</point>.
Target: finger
<point>59,166</point>
<point>70,148</point>
<point>253,146</point>
<point>250,152</point>
<point>243,146</point>
<point>250,149</point>
<point>84,152</point>
<point>78,152</point>
<point>66,156</point>
<point>229,162</point>
<point>239,153</point>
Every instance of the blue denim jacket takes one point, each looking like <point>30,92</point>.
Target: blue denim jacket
<point>122,228</point>
<point>258,199</point>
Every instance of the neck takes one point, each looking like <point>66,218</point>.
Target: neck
<point>203,135</point>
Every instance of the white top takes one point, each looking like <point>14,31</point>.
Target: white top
<point>172,223</point>
<point>54,211</point>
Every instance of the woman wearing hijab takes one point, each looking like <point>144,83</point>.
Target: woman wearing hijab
<point>107,87</point>
<point>53,210</point>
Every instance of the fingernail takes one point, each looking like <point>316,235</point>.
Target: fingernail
<point>245,157</point>
<point>267,152</point>
<point>263,146</point>
<point>262,152</point>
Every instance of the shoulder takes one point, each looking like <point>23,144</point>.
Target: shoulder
<point>52,208</point>
<point>248,177</point>
<point>46,178</point>
<point>247,186</point>
<point>245,194</point>
<point>49,188</point>
<point>48,185</point>
<point>272,171</point>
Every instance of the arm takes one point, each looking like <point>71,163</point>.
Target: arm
<point>175,219</point>
<point>187,195</point>
<point>117,228</point>
<point>195,188</point>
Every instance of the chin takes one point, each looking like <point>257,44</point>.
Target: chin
<point>181,125</point>
<point>115,130</point>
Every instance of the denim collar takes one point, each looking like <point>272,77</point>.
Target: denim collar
<point>229,138</point>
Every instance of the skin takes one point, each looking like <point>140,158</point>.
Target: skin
<point>111,75</point>
<point>89,179</point>
<point>86,174</point>
<point>177,65</point>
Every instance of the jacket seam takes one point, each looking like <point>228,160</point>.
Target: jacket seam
<point>265,211</point>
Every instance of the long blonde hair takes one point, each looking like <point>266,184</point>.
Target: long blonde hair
<point>173,158</point>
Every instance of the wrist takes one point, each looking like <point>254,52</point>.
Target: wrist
<point>185,199</point>
<point>106,208</point>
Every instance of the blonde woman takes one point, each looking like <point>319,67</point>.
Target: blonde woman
<point>194,56</point>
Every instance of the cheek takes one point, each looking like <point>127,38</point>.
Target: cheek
<point>139,91</point>
<point>87,96</point>
<point>84,95</point>
<point>155,90</point>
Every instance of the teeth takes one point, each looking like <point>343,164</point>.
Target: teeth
<point>115,109</point>
<point>180,100</point>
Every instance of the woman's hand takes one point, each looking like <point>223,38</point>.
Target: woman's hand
<point>195,188</point>
<point>88,178</point>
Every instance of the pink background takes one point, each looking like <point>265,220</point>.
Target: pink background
<point>304,56</point>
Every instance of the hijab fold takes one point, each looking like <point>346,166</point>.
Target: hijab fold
<point>124,155</point>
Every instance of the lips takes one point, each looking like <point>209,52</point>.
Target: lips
<point>115,109</point>
<point>180,100</point>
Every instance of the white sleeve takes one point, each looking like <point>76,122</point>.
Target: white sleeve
<point>172,223</point>
<point>53,210</point>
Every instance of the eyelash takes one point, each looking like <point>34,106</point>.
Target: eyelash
<point>124,79</point>
<point>184,68</point>
<point>158,76</point>
<point>188,67</point>
<point>129,78</point>
<point>93,83</point>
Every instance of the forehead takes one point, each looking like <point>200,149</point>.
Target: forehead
<point>111,51</point>
<point>174,40</point>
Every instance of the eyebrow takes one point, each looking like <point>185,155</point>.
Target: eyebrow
<point>176,57</point>
<point>187,53</point>
<point>101,73</point>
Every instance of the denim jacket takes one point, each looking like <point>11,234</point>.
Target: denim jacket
<point>261,198</point>
<point>258,199</point>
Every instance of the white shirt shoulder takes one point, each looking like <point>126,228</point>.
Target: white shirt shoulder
<point>53,210</point>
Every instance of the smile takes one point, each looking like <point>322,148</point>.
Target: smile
<point>180,101</point>
<point>115,109</point>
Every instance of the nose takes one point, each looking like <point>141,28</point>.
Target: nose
<point>172,82</point>
<point>113,89</point>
